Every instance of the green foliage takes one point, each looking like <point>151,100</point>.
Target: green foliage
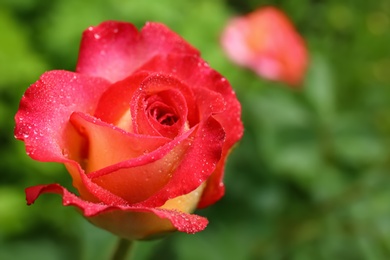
<point>310,178</point>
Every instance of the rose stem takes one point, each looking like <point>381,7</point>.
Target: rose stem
<point>123,249</point>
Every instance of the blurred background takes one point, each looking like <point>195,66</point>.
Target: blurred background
<point>310,178</point>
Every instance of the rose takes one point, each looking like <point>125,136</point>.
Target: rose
<point>143,126</point>
<point>267,42</point>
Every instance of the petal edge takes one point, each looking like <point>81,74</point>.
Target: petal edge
<point>105,215</point>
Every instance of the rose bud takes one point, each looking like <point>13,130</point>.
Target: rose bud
<point>266,42</point>
<point>144,127</point>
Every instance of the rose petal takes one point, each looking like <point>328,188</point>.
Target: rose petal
<point>209,102</point>
<point>196,166</point>
<point>89,190</point>
<point>194,72</point>
<point>230,119</point>
<point>42,118</point>
<point>113,50</point>
<point>108,145</point>
<point>145,174</point>
<point>124,221</point>
<point>42,122</point>
<point>118,112</point>
<point>215,188</point>
<point>185,203</point>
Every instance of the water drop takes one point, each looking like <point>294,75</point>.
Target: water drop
<point>65,152</point>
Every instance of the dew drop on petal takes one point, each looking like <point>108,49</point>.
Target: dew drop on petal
<point>65,152</point>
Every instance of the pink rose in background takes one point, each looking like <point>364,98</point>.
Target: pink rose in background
<point>144,127</point>
<point>267,42</point>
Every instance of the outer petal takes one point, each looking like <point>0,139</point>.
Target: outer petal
<point>89,190</point>
<point>215,188</point>
<point>194,72</point>
<point>125,221</point>
<point>42,118</point>
<point>42,122</point>
<point>130,166</point>
<point>113,50</point>
<point>108,145</point>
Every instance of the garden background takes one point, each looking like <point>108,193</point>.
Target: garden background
<point>310,178</point>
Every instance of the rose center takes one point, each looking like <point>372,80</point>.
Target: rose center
<point>161,111</point>
<point>163,115</point>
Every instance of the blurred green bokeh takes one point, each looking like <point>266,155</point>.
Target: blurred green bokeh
<point>309,180</point>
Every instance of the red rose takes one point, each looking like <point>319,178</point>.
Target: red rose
<point>267,42</point>
<point>143,126</point>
